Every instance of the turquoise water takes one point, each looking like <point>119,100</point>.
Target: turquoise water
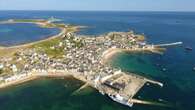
<point>57,94</point>
<point>54,94</point>
<point>159,27</point>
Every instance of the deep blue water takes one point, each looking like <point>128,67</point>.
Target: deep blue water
<point>14,34</point>
<point>159,27</point>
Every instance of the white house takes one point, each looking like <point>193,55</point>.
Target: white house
<point>14,68</point>
<point>1,66</point>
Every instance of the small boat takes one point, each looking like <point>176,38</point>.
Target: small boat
<point>102,92</point>
<point>139,97</point>
<point>160,100</point>
<point>193,69</point>
<point>121,100</point>
<point>164,69</point>
<point>188,48</point>
<point>148,84</point>
<point>157,64</point>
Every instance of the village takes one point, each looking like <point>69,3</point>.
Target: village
<point>83,57</point>
<point>82,54</point>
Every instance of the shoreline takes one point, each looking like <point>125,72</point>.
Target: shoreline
<point>34,76</point>
<point>17,82</point>
<point>41,23</point>
<point>7,51</point>
<point>39,41</point>
<point>62,31</point>
<point>108,54</point>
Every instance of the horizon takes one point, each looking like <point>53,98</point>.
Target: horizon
<point>101,10</point>
<point>99,5</point>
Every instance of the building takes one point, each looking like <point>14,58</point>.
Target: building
<point>1,66</point>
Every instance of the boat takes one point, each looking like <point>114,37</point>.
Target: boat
<point>102,92</point>
<point>160,100</point>
<point>193,69</point>
<point>188,48</point>
<point>164,69</point>
<point>121,100</point>
<point>148,84</point>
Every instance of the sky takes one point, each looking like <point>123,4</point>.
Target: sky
<point>99,5</point>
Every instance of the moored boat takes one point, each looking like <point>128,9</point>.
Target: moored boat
<point>121,100</point>
<point>189,48</point>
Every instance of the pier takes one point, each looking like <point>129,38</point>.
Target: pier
<point>169,44</point>
<point>149,103</point>
<point>124,84</point>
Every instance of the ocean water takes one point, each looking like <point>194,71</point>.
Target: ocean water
<point>159,27</point>
<point>15,34</point>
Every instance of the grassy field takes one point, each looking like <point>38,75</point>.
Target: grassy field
<point>43,45</point>
<point>50,46</point>
<point>140,37</point>
<point>46,47</point>
<point>28,20</point>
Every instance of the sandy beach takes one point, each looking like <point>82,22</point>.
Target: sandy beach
<point>109,53</point>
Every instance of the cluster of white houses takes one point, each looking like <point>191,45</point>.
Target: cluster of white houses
<point>80,54</point>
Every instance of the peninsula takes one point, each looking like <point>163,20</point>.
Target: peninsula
<point>82,57</point>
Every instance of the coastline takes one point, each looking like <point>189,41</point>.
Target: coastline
<point>36,42</point>
<point>33,76</point>
<point>108,54</point>
<point>17,82</point>
<point>44,24</point>
<point>8,51</point>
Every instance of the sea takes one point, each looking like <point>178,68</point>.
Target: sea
<point>174,68</point>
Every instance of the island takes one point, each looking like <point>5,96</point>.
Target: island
<point>80,56</point>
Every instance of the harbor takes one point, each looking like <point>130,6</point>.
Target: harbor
<point>119,86</point>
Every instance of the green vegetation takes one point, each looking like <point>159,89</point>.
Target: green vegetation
<point>79,44</point>
<point>60,25</point>
<point>50,47</point>
<point>47,26</point>
<point>132,43</point>
<point>27,20</point>
<point>111,37</point>
<point>46,47</point>
<point>140,37</point>
<point>45,23</point>
<point>1,71</point>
